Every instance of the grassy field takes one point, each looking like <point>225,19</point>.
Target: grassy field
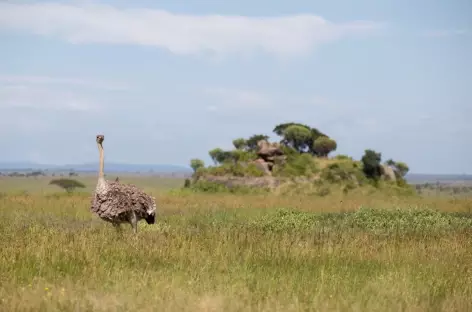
<point>234,253</point>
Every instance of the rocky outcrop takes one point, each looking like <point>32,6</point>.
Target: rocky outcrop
<point>388,173</point>
<point>263,166</point>
<point>269,154</point>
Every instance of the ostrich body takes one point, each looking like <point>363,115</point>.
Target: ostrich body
<point>118,203</point>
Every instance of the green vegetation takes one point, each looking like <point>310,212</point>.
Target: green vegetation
<point>300,157</point>
<point>225,252</point>
<point>196,164</point>
<point>371,165</point>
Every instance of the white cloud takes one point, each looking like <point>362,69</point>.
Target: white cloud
<point>179,33</point>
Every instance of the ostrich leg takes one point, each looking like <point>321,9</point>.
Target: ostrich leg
<point>133,220</point>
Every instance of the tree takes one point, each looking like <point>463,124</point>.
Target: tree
<point>215,154</point>
<point>371,161</point>
<point>68,185</point>
<point>237,155</point>
<point>324,145</point>
<point>251,143</point>
<point>401,168</point>
<point>298,137</point>
<point>280,130</point>
<point>196,163</point>
<point>220,156</point>
<point>240,143</point>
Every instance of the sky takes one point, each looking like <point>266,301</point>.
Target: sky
<point>166,81</point>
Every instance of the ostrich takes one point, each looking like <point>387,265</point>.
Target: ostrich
<point>120,203</point>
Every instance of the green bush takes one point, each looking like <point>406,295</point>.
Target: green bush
<point>398,222</point>
<point>297,165</point>
<point>343,171</point>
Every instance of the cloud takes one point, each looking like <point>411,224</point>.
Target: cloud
<point>182,34</point>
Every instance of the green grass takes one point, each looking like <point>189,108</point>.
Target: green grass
<point>237,253</point>
<point>40,185</point>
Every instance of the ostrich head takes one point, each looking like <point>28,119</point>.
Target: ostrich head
<point>100,138</point>
<point>151,213</point>
<point>151,218</point>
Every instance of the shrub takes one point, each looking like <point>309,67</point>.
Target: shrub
<point>371,164</point>
<point>297,165</point>
<point>343,171</point>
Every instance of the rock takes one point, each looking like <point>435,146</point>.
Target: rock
<point>267,149</point>
<point>269,154</point>
<point>388,173</point>
<point>263,165</point>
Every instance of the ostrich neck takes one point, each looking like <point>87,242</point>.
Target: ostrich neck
<point>101,177</point>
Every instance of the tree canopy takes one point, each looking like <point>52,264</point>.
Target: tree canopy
<point>251,143</point>
<point>240,143</point>
<point>67,184</point>
<point>324,145</point>
<point>196,164</point>
<point>299,136</point>
<point>371,164</point>
<point>400,168</point>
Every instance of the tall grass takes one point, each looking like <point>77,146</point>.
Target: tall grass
<point>238,253</point>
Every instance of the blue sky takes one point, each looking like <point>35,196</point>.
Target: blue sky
<point>166,81</point>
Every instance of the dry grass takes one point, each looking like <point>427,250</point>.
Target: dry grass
<point>238,253</point>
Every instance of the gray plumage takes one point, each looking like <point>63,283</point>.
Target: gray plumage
<point>118,203</point>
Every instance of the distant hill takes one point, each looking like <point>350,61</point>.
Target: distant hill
<point>93,167</point>
<point>169,168</point>
<point>432,178</point>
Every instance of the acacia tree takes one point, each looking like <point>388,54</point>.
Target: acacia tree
<point>196,164</point>
<point>251,143</point>
<point>220,156</point>
<point>307,145</point>
<point>240,143</point>
<point>279,129</point>
<point>371,164</point>
<point>400,168</point>
<point>298,137</point>
<point>69,185</point>
<point>216,154</point>
<point>324,145</point>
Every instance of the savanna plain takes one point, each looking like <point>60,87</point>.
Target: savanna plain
<point>233,252</point>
